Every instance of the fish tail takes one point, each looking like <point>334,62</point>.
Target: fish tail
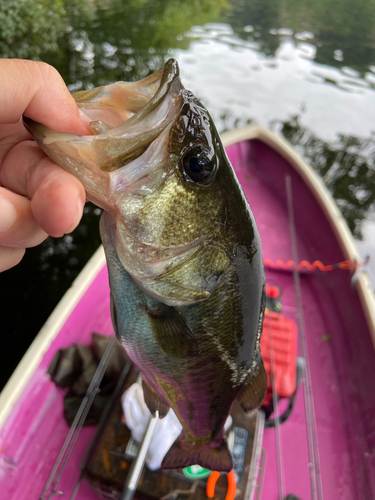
<point>213,458</point>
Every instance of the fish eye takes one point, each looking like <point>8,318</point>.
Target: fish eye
<point>199,165</point>
<point>194,165</point>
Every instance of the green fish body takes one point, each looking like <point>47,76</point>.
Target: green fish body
<point>183,253</point>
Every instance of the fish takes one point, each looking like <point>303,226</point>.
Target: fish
<point>183,253</point>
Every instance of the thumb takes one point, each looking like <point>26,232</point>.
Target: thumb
<point>38,91</point>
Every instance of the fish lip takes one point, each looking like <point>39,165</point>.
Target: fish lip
<point>171,72</point>
<point>115,148</point>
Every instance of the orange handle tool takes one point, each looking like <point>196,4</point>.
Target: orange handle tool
<point>212,480</point>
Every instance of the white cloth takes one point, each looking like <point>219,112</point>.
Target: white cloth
<point>137,417</point>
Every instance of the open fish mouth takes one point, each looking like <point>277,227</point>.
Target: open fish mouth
<point>127,118</point>
<point>147,113</point>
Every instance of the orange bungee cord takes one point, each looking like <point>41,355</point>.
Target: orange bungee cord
<point>350,265</point>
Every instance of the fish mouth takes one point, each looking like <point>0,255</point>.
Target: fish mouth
<point>127,118</point>
<point>115,147</point>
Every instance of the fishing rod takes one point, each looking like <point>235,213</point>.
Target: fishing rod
<point>138,462</point>
<point>113,398</point>
<point>71,438</point>
<point>257,463</point>
<point>313,451</point>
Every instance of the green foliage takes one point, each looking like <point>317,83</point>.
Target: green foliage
<point>29,28</point>
<point>263,15</point>
<point>345,18</point>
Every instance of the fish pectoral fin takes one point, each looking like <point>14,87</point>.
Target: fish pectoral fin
<point>114,316</point>
<point>213,458</point>
<point>154,401</point>
<point>171,331</point>
<point>253,393</point>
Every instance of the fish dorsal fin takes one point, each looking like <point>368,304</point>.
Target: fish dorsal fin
<point>252,394</point>
<point>114,315</point>
<point>171,330</point>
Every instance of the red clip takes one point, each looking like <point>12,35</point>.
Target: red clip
<point>272,292</point>
<point>212,480</point>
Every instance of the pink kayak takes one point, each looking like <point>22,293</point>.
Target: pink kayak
<point>323,446</point>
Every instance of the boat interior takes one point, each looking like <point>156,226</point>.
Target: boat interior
<point>314,435</point>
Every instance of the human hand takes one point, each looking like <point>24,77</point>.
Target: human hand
<point>37,198</point>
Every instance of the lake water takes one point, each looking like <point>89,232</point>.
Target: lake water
<point>304,69</point>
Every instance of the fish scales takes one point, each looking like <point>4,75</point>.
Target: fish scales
<point>183,253</point>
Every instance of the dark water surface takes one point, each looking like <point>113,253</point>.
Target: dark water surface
<point>305,69</point>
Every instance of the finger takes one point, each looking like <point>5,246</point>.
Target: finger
<point>18,164</point>
<point>18,227</point>
<point>10,257</point>
<point>37,90</point>
<point>57,198</point>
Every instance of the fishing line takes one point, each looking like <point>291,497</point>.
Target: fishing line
<point>313,451</point>
<point>280,474</point>
<point>137,466</point>
<point>258,459</point>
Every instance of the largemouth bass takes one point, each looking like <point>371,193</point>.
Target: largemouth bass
<point>183,253</point>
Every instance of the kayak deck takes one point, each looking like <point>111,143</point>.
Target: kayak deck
<point>341,354</point>
<point>341,359</point>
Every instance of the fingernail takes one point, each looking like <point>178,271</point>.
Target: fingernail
<point>81,205</point>
<point>8,215</point>
<point>78,216</point>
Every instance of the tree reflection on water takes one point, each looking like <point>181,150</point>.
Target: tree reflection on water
<point>30,291</point>
<point>127,40</point>
<point>347,168</point>
<point>342,31</point>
